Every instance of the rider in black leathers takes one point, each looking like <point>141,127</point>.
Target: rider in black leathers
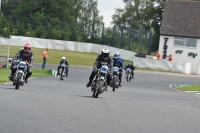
<point>130,65</point>
<point>102,58</point>
<point>63,60</point>
<point>24,54</point>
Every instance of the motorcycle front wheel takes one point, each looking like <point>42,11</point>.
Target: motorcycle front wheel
<point>114,83</point>
<point>61,75</point>
<point>17,84</point>
<point>100,86</point>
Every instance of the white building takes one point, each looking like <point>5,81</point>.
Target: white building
<point>181,25</point>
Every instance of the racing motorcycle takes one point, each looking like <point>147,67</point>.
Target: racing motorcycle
<point>19,76</point>
<point>63,70</point>
<point>128,74</point>
<point>99,83</point>
<point>115,78</point>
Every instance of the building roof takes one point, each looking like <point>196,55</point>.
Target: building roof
<point>181,18</point>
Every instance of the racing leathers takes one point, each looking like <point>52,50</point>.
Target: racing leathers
<point>118,62</point>
<point>22,55</point>
<point>66,63</point>
<point>97,65</point>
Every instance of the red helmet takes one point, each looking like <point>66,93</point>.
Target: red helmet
<point>27,47</point>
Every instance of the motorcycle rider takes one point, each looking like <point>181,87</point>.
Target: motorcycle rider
<point>102,58</point>
<point>130,65</point>
<point>63,60</point>
<point>14,60</point>
<point>24,54</point>
<point>118,62</point>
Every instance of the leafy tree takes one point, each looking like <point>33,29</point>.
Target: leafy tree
<point>4,27</point>
<point>153,15</point>
<point>73,20</point>
<point>140,16</point>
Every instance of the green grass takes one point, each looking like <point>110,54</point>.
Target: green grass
<point>195,87</point>
<point>4,50</point>
<point>4,73</point>
<point>74,58</point>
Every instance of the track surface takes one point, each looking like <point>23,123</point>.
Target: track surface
<point>145,105</point>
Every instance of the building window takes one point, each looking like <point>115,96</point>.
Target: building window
<point>185,42</point>
<point>179,41</point>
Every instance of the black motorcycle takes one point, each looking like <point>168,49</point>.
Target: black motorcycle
<point>99,83</point>
<point>20,73</point>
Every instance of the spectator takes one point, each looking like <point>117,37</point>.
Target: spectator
<point>44,57</point>
<point>158,55</point>
<point>170,58</point>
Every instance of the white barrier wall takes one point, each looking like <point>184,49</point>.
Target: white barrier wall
<point>186,68</point>
<point>181,67</point>
<point>65,45</point>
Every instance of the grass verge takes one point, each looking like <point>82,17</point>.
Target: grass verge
<point>195,87</point>
<point>4,73</point>
<point>73,57</point>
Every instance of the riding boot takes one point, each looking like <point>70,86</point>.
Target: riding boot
<point>58,73</point>
<point>89,83</point>
<point>106,88</point>
<point>26,78</point>
<point>66,73</point>
<point>11,76</point>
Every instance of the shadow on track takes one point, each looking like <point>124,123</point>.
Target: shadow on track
<point>84,96</point>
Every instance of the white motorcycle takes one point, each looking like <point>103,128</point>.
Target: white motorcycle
<point>128,74</point>
<point>63,71</point>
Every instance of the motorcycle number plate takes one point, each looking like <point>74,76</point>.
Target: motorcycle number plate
<point>104,69</point>
<point>63,64</point>
<point>20,71</point>
<point>128,69</point>
<point>102,77</point>
<point>116,69</point>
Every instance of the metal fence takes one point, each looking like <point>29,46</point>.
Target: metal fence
<point>4,55</point>
<point>139,41</point>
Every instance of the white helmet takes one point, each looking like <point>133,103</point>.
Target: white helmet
<point>116,55</point>
<point>105,53</point>
<point>63,58</point>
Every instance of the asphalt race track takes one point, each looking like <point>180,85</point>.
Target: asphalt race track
<point>145,105</point>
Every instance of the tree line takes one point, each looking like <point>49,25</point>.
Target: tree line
<point>79,20</point>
